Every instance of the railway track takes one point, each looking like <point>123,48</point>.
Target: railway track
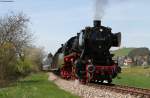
<point>137,92</point>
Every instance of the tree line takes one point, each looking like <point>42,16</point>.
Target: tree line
<point>18,57</point>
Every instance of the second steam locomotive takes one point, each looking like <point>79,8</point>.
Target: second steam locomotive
<point>87,56</point>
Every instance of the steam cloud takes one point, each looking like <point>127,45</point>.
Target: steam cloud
<point>99,7</point>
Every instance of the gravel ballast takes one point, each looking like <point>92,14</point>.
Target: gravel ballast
<point>84,91</point>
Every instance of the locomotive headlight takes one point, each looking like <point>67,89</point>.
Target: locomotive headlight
<point>101,30</point>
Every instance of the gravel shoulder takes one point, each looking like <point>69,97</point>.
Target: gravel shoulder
<point>84,91</point>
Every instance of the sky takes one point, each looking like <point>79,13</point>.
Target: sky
<point>53,22</point>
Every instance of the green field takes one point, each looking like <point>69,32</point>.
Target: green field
<point>135,76</point>
<point>34,86</point>
<point>37,85</point>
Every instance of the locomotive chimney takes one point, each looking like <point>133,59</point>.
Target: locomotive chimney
<point>97,23</point>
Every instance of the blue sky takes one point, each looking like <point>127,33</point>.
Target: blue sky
<point>55,21</point>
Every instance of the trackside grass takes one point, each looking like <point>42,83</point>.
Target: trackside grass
<point>34,86</point>
<point>134,76</point>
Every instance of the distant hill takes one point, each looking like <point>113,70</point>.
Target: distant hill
<point>138,56</point>
<point>122,51</point>
<point>140,52</point>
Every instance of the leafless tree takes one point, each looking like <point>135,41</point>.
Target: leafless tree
<point>14,36</point>
<point>13,29</point>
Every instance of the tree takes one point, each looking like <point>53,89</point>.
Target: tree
<point>140,56</point>
<point>14,30</point>
<point>14,37</point>
<point>36,55</point>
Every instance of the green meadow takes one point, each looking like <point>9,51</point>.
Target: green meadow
<point>134,76</point>
<point>34,86</point>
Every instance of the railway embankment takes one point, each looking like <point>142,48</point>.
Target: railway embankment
<point>86,91</point>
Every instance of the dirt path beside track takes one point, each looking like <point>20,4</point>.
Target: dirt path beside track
<point>85,91</point>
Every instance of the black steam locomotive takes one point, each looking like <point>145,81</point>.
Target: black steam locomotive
<point>87,57</point>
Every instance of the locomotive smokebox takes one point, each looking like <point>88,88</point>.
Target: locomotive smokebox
<point>97,23</point>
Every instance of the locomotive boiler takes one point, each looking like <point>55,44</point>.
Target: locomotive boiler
<point>87,56</point>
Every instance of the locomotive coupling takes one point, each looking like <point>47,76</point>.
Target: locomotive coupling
<point>90,68</point>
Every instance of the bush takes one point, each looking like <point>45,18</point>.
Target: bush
<point>7,60</point>
<point>23,67</point>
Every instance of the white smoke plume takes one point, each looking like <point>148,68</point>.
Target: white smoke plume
<point>99,7</point>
